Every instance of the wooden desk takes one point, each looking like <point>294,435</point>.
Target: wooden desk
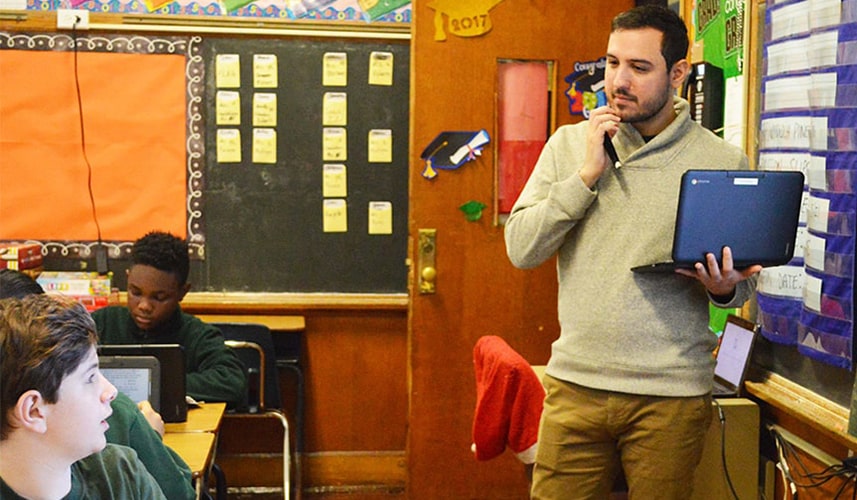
<point>197,450</point>
<point>275,322</point>
<point>206,418</point>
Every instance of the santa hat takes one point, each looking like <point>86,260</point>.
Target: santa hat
<point>509,398</point>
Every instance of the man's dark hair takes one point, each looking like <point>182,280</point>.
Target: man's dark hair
<point>15,284</point>
<point>164,252</point>
<point>674,43</point>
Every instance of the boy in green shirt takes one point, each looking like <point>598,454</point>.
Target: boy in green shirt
<point>157,283</point>
<point>135,425</point>
<point>54,404</point>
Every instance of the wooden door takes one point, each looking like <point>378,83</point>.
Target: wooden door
<point>478,291</point>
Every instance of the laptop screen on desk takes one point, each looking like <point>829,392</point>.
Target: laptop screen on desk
<point>139,377</point>
<point>173,405</point>
<point>733,355</point>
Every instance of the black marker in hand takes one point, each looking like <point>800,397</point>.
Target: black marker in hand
<point>611,151</point>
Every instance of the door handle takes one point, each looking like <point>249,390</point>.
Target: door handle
<point>426,261</point>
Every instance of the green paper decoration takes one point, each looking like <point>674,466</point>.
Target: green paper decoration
<point>472,210</point>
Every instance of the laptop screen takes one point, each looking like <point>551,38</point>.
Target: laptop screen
<point>173,405</point>
<point>733,355</point>
<point>139,377</point>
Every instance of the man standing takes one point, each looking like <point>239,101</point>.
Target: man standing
<point>629,379</point>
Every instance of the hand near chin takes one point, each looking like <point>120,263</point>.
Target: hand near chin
<point>720,282</point>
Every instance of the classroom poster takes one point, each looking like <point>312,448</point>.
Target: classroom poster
<point>719,28</point>
<point>134,98</point>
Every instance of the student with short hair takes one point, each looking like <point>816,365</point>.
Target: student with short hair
<point>135,425</point>
<point>54,404</point>
<point>157,283</point>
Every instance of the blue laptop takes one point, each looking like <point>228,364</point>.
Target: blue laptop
<point>754,212</point>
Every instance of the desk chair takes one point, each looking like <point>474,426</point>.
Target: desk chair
<point>288,348</point>
<point>255,347</point>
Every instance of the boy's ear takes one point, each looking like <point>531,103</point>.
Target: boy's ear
<point>30,412</point>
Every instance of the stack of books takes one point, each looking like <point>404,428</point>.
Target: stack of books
<point>90,289</point>
<point>20,256</point>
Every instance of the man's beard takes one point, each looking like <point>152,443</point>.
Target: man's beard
<point>649,109</point>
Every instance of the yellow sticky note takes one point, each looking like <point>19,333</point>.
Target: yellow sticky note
<point>228,107</point>
<point>264,110</point>
<point>264,145</point>
<point>380,146</point>
<point>334,180</point>
<point>380,217</point>
<point>381,68</point>
<point>265,71</point>
<point>228,145</point>
<point>334,108</point>
<point>335,216</point>
<point>334,144</point>
<point>335,69</point>
<point>227,71</point>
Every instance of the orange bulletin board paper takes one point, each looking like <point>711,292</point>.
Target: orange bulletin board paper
<point>134,123</point>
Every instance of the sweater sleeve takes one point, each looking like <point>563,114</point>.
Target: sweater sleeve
<point>115,472</point>
<point>130,428</point>
<point>214,372</point>
<point>553,200</point>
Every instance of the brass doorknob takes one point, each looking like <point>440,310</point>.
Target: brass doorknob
<point>429,274</point>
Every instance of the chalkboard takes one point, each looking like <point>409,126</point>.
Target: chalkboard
<point>264,222</point>
<point>254,224</point>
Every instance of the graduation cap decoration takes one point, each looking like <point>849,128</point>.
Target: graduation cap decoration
<point>473,210</point>
<point>450,150</point>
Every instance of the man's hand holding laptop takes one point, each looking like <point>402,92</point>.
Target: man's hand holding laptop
<point>719,282</point>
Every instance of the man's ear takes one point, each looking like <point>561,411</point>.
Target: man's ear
<point>31,412</point>
<point>679,73</point>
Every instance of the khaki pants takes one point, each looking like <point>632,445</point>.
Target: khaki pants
<point>586,435</point>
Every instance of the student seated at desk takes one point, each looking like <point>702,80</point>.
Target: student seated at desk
<point>157,283</point>
<point>138,426</point>
<point>54,405</point>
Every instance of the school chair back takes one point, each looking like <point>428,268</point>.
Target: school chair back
<point>255,347</point>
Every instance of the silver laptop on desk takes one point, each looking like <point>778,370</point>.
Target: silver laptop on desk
<point>733,356</point>
<point>139,377</point>
<point>173,402</point>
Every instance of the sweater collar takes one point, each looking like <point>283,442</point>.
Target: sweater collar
<point>636,147</point>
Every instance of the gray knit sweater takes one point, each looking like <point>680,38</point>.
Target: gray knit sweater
<point>621,331</point>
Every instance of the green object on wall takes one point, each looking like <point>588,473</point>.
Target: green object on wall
<point>472,210</point>
<point>717,318</point>
<point>720,27</point>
